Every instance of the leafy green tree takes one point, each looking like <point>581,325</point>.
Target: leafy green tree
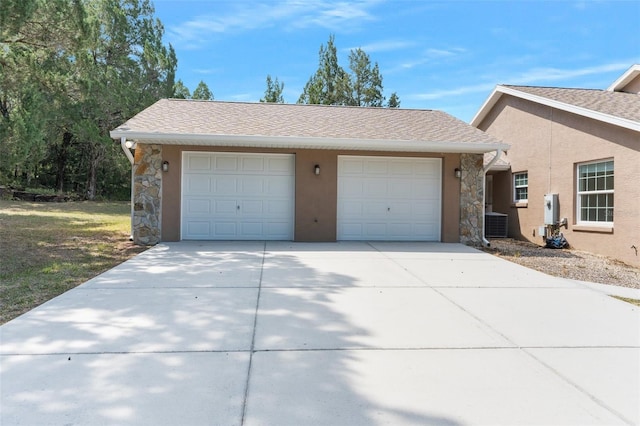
<point>273,92</point>
<point>36,38</point>
<point>330,84</point>
<point>202,92</point>
<point>394,101</point>
<point>180,91</point>
<point>71,70</point>
<point>365,80</point>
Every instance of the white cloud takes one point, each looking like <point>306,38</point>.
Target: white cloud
<point>428,56</point>
<point>205,71</point>
<point>441,53</point>
<point>537,75</point>
<point>248,15</point>
<point>532,76</point>
<point>383,46</point>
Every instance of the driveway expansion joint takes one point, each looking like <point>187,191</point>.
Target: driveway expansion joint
<point>253,338</point>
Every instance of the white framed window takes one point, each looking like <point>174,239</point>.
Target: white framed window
<point>595,193</point>
<point>520,187</point>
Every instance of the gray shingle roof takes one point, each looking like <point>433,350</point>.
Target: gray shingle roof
<point>261,120</point>
<point>617,104</point>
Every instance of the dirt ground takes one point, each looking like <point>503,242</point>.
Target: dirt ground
<point>566,263</point>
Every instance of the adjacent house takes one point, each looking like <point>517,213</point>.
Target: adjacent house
<point>208,170</point>
<point>573,165</point>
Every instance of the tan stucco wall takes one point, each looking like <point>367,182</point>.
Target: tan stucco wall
<point>548,143</point>
<point>633,86</point>
<point>316,196</point>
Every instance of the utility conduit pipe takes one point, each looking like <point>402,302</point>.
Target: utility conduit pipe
<point>127,152</point>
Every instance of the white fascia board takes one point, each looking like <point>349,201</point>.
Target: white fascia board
<point>625,78</point>
<point>585,112</point>
<point>486,107</point>
<point>251,141</point>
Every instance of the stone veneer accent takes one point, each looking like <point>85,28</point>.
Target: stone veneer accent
<point>471,199</point>
<point>147,181</point>
<point>147,190</point>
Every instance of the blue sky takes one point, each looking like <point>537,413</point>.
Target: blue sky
<point>445,55</point>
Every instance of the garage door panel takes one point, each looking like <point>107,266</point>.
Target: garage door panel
<point>400,168</point>
<point>197,207</point>
<point>252,186</point>
<point>251,208</point>
<point>352,166</point>
<point>242,196</point>
<point>199,228</point>
<point>198,164</point>
<point>351,208</point>
<point>427,228</point>
<point>253,164</point>
<point>375,209</point>
<point>225,185</point>
<point>277,230</point>
<point>350,231</point>
<point>427,190</point>
<point>225,229</point>
<point>277,185</point>
<point>198,184</point>
<point>401,188</point>
<point>425,169</point>
<point>278,207</point>
<point>401,229</point>
<point>279,166</point>
<point>352,187</point>
<point>425,209</point>
<point>375,188</point>
<point>402,210</point>
<point>375,230</point>
<point>389,198</point>
<point>225,207</point>
<point>375,167</point>
<point>251,229</point>
<point>226,163</point>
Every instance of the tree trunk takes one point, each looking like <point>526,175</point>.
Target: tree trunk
<point>92,178</point>
<point>61,160</point>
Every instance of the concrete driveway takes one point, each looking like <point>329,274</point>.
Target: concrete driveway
<point>280,333</point>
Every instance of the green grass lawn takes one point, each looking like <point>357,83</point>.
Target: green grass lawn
<point>49,248</point>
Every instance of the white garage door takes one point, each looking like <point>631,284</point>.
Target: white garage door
<point>231,196</point>
<point>388,198</point>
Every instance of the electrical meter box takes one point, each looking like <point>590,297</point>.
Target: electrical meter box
<point>551,209</point>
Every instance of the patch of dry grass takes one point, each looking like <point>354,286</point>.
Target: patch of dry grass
<point>49,248</point>
<point>628,300</point>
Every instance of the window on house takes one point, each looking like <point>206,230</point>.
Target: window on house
<point>595,192</point>
<point>520,187</point>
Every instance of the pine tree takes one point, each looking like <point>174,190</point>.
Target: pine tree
<point>273,92</point>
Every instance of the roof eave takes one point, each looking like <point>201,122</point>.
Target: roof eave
<point>625,78</point>
<point>585,112</point>
<point>288,142</point>
<point>486,107</point>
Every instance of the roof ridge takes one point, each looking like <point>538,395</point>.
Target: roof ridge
<point>220,101</point>
<point>554,87</point>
